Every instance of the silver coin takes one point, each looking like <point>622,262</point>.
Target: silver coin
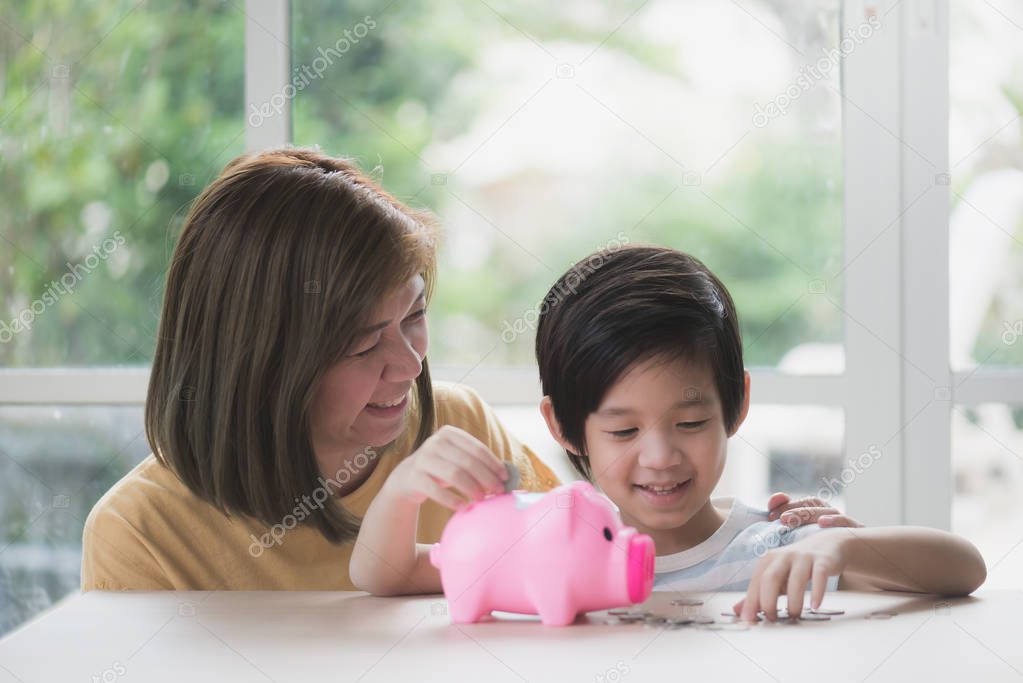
<point>880,615</point>
<point>656,620</point>
<point>829,612</point>
<point>679,621</point>
<point>815,616</point>
<point>687,602</point>
<point>514,479</point>
<point>702,620</point>
<point>618,612</point>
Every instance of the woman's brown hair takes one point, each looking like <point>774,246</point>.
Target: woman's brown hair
<point>280,263</point>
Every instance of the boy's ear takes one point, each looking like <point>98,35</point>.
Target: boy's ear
<point>547,410</point>
<point>744,410</point>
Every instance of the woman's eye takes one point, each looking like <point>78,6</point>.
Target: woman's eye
<point>623,433</point>
<point>692,425</point>
<point>363,354</point>
<point>418,315</point>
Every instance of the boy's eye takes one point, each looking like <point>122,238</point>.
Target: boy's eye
<point>692,425</point>
<point>623,433</point>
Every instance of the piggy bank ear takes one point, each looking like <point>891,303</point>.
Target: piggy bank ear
<point>566,508</point>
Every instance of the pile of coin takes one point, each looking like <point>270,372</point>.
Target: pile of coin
<point>726,620</point>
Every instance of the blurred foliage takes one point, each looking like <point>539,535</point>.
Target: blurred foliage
<point>114,116</point>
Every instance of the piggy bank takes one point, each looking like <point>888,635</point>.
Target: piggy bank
<point>554,554</point>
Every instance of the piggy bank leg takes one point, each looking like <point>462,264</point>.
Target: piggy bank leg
<point>467,610</point>
<point>558,613</point>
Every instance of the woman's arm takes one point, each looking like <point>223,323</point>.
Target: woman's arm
<point>386,559</point>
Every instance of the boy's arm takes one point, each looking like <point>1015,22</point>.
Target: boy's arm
<point>906,558</point>
<point>914,559</point>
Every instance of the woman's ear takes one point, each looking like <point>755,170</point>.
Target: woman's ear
<point>744,410</point>
<point>547,410</point>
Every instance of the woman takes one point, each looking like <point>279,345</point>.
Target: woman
<point>289,387</point>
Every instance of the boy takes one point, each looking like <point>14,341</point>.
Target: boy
<point>643,381</point>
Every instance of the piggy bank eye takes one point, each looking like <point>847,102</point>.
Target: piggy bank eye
<point>607,533</point>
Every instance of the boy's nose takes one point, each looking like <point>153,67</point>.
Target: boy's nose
<point>659,453</point>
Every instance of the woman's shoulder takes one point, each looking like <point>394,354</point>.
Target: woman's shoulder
<point>147,488</point>
<point>457,403</point>
<point>118,541</point>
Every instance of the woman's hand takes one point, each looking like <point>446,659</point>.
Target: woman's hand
<point>449,463</point>
<point>793,513</point>
<point>788,570</point>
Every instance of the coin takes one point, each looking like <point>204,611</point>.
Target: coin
<point>880,615</point>
<point>815,616</point>
<point>829,612</point>
<point>687,602</point>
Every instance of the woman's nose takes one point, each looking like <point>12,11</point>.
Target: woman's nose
<point>403,363</point>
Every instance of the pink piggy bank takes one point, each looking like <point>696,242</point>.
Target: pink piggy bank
<point>555,554</point>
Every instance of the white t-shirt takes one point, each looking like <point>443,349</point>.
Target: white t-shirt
<point>726,560</point>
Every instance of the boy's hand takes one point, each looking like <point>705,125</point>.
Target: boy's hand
<point>795,513</point>
<point>788,570</point>
<point>450,461</point>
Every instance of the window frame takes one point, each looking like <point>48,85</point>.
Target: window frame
<point>897,389</point>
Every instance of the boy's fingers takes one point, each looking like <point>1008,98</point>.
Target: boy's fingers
<point>832,521</point>
<point>819,584</point>
<point>769,590</point>
<point>799,576</point>
<point>776,500</point>
<point>751,603</point>
<point>806,515</point>
<point>775,513</point>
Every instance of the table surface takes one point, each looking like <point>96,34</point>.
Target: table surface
<point>304,636</point>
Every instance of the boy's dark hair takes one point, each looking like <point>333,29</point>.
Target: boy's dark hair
<point>621,306</point>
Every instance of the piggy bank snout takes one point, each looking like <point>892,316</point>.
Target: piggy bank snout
<point>640,566</point>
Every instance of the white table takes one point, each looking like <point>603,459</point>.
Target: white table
<point>234,636</point>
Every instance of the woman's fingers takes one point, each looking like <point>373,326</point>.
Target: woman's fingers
<point>487,481</point>
<point>459,441</point>
<point>436,490</point>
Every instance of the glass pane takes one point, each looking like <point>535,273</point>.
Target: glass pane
<point>795,449</point>
<point>55,463</point>
<point>112,117</point>
<point>987,463</point>
<point>985,144</point>
<point>539,133</point>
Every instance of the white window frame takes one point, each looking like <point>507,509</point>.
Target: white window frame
<point>897,389</point>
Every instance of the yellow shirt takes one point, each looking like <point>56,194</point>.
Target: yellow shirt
<point>149,532</point>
